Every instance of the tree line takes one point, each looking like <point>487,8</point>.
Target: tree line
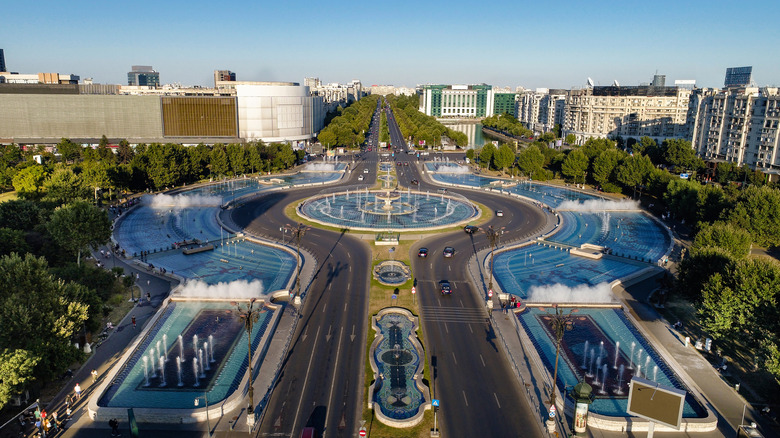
<point>349,126</point>
<point>416,126</point>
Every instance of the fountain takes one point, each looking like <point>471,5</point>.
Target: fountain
<point>178,370</point>
<point>165,344</point>
<point>200,362</point>
<point>161,363</point>
<point>146,371</point>
<point>195,344</point>
<point>206,349</point>
<point>604,378</point>
<point>601,349</point>
<point>590,369</point>
<point>617,353</point>
<point>639,357</point>
<point>638,371</point>
<point>211,348</point>
<point>181,347</point>
<point>619,390</point>
<point>151,362</point>
<point>647,363</point>
<point>585,356</point>
<point>631,357</point>
<point>195,371</point>
<point>159,347</point>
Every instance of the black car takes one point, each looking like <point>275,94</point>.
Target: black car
<point>471,229</point>
<point>446,288</point>
<point>415,182</point>
<point>448,251</point>
<point>423,252</point>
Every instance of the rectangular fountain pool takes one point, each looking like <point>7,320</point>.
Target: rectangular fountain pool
<point>605,350</point>
<point>213,351</point>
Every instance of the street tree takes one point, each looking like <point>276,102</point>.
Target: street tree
<point>504,157</point>
<point>604,166</point>
<point>530,160</point>
<point>65,186</point>
<point>79,226</point>
<point>632,171</point>
<point>574,165</point>
<point>757,210</point>
<point>29,181</point>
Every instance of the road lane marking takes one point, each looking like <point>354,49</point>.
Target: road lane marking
<point>453,358</point>
<point>345,307</point>
<point>305,381</point>
<point>446,328</point>
<point>465,399</point>
<point>499,404</point>
<point>324,306</point>
<point>481,358</point>
<point>472,331</point>
<point>333,380</point>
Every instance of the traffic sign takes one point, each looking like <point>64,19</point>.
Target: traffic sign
<point>435,402</point>
<point>490,293</point>
<point>362,431</point>
<point>552,411</point>
<point>414,291</point>
<point>394,296</point>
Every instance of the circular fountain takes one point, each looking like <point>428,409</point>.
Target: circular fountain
<point>392,273</point>
<point>388,210</point>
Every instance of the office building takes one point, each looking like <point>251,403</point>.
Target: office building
<point>658,81</point>
<point>223,76</point>
<point>143,76</point>
<point>628,112</point>
<point>738,77</point>
<point>457,101</point>
<point>738,125</point>
<point>335,93</point>
<point>505,103</point>
<point>2,61</point>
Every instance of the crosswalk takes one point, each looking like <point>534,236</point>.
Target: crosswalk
<point>453,315</point>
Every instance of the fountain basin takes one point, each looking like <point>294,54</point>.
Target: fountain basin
<point>392,273</point>
<point>398,395</point>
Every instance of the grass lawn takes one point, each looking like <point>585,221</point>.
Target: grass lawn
<point>379,298</point>
<point>758,387</point>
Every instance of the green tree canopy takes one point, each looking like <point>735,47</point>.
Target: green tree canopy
<point>604,165</point>
<point>574,165</point>
<point>80,225</point>
<point>28,182</point>
<point>633,170</point>
<point>757,210</point>
<point>486,155</point>
<point>725,236</point>
<point>64,186</point>
<point>17,368</point>
<point>504,157</point>
<point>530,160</point>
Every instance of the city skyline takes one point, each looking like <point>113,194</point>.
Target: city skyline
<point>556,45</point>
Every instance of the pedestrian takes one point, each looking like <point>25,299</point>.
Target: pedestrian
<point>94,375</point>
<point>133,321</point>
<point>77,390</point>
<point>68,411</point>
<point>54,423</point>
<point>149,298</point>
<point>114,423</point>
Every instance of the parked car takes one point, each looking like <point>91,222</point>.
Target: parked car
<point>423,252</point>
<point>448,251</point>
<point>471,229</point>
<point>446,288</point>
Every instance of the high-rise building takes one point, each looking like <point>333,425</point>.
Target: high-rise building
<point>505,103</point>
<point>629,112</point>
<point>2,61</point>
<point>542,109</point>
<point>738,125</point>
<point>223,76</point>
<point>738,76</point>
<point>143,75</point>
<point>659,81</point>
<point>457,101</point>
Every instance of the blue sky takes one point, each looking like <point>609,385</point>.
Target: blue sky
<point>552,43</point>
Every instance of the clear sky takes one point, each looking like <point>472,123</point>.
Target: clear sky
<point>549,43</point>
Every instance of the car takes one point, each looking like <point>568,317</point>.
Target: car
<point>448,251</point>
<point>360,178</point>
<point>406,163</point>
<point>415,182</point>
<point>446,288</point>
<point>471,229</point>
<point>422,252</point>
<point>398,163</point>
<point>365,170</point>
<point>442,190</point>
<point>500,213</point>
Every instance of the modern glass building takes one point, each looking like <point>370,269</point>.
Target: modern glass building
<point>143,75</point>
<point>457,101</point>
<point>505,103</point>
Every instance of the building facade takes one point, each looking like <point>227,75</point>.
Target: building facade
<point>629,112</point>
<point>2,61</point>
<point>542,109</point>
<point>505,103</point>
<point>457,101</point>
<point>223,76</point>
<point>739,125</point>
<point>144,76</point>
<point>278,111</point>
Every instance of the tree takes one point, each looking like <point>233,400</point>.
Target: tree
<point>644,146</point>
<point>38,317</point>
<point>79,225</point>
<point>571,139</point>
<point>757,210</point>
<point>69,150</point>
<point>632,171</point>
<point>28,182</point>
<point>504,157</point>
<point>12,241</point>
<point>220,163</point>
<point>238,158</point>
<point>680,154</point>
<point>725,236</point>
<point>97,176</point>
<point>696,269</point>
<point>682,197</point>
<point>65,186</point>
<point>169,165</point>
<point>486,155</point>
<point>574,165</point>
<point>124,153</point>
<point>604,166</point>
<point>16,372</point>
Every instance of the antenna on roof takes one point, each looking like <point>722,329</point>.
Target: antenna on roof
<point>615,84</point>
<point>590,82</point>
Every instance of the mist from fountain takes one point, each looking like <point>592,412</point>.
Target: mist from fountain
<point>165,344</point>
<point>617,353</point>
<point>655,373</point>
<point>647,362</point>
<point>206,349</point>
<point>195,371</point>
<point>590,368</point>
<point>585,356</point>
<point>200,362</point>
<point>631,357</point>
<point>181,347</point>
<point>151,362</point>
<point>161,362</point>
<point>621,369</point>
<point>146,370</point>
<point>211,348</point>
<point>604,379</point>
<point>178,370</point>
<point>195,344</point>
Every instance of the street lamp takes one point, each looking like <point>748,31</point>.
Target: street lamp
<point>493,236</point>
<point>297,231</point>
<point>205,397</point>
<point>559,323</point>
<point>249,315</point>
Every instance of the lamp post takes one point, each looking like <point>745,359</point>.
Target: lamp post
<point>297,231</point>
<point>205,397</point>
<point>493,236</point>
<point>249,315</point>
<point>560,323</point>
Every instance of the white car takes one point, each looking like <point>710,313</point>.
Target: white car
<point>500,213</point>
<point>360,178</point>
<point>365,170</point>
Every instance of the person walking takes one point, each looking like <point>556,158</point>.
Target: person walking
<point>114,423</point>
<point>148,298</point>
<point>77,390</point>
<point>94,375</point>
<point>133,321</point>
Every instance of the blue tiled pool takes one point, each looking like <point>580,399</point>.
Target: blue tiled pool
<point>589,353</point>
<point>224,362</point>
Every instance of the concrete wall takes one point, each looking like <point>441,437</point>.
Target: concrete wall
<point>274,112</point>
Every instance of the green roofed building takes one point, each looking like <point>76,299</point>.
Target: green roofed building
<point>457,101</point>
<point>505,103</point>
